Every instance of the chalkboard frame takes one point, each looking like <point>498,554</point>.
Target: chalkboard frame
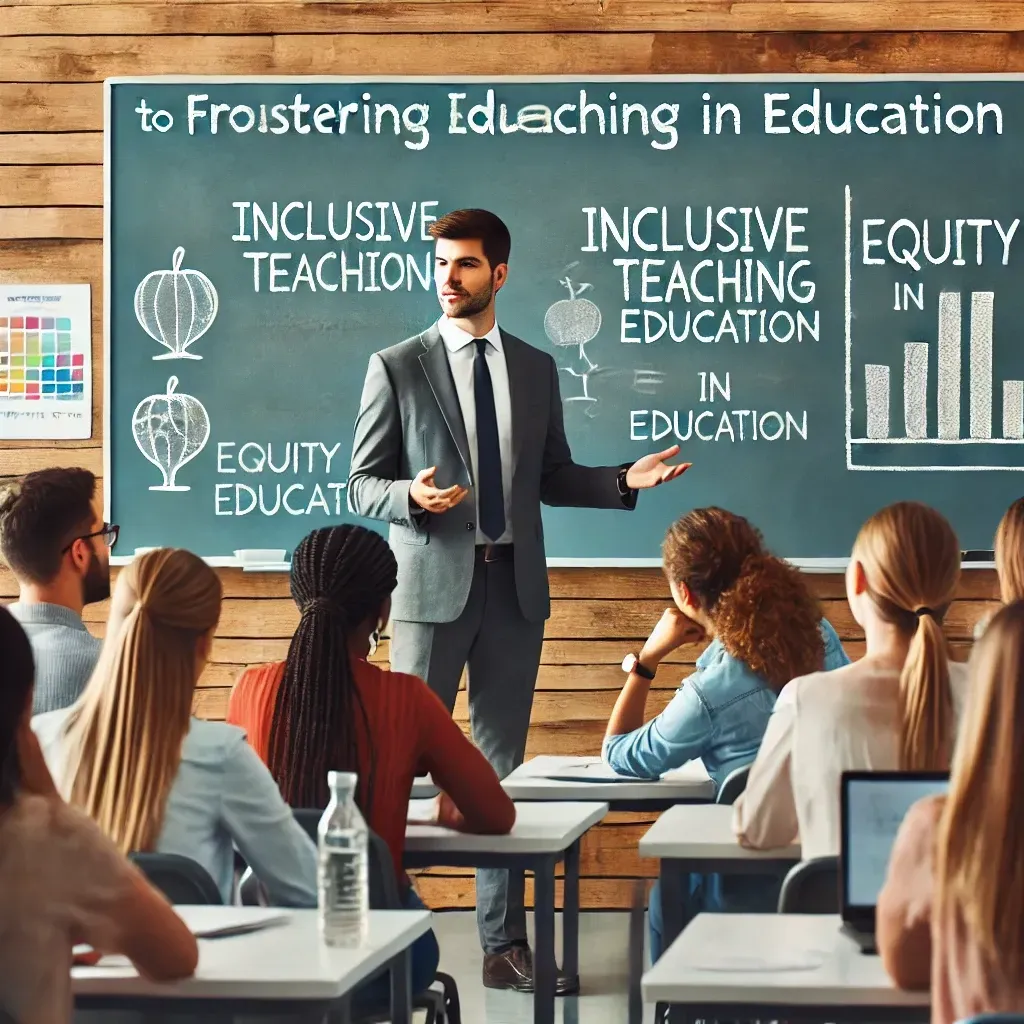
<point>811,565</point>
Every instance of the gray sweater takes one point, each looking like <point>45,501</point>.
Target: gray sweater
<point>65,653</point>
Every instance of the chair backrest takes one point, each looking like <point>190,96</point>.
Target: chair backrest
<point>811,887</point>
<point>384,893</point>
<point>735,783</point>
<point>181,880</point>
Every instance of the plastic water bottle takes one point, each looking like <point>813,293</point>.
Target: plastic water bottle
<point>344,888</point>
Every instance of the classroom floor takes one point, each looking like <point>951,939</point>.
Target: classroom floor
<point>603,973</point>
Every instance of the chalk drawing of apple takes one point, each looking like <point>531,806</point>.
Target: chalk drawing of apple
<point>170,430</point>
<point>176,307</point>
<point>571,323</point>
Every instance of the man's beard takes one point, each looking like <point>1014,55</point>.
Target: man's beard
<point>96,582</point>
<point>471,305</point>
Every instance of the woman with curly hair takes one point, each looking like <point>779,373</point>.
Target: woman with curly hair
<point>765,628</point>
<point>896,708</point>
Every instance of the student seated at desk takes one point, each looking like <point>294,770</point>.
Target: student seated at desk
<point>897,707</point>
<point>63,881</point>
<point>326,708</point>
<point>952,909</point>
<point>154,778</point>
<point>765,628</point>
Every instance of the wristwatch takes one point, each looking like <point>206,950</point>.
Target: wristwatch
<point>631,663</point>
<point>620,483</point>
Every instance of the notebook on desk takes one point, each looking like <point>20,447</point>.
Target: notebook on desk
<point>872,808</point>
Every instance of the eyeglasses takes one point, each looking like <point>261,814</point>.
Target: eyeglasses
<point>108,532</point>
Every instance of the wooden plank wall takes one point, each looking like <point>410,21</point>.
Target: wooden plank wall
<point>51,119</point>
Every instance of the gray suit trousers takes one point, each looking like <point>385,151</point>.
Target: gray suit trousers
<point>501,650</point>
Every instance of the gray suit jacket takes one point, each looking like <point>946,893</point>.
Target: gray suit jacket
<point>409,418</point>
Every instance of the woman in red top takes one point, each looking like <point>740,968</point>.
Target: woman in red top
<point>326,708</point>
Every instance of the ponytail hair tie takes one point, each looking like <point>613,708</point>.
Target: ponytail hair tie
<point>923,610</point>
<point>324,604</point>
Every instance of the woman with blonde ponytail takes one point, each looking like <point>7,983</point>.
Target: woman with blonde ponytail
<point>132,757</point>
<point>951,913</point>
<point>896,708</point>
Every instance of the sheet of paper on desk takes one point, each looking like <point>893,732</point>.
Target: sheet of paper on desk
<point>595,770</point>
<point>220,922</point>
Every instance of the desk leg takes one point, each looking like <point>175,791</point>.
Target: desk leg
<point>672,879</point>
<point>544,952</point>
<point>401,988</point>
<point>571,913</point>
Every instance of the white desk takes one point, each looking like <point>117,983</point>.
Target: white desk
<point>283,968</point>
<point>532,781</point>
<point>543,835</point>
<point>423,788</point>
<point>699,838</point>
<point>776,967</point>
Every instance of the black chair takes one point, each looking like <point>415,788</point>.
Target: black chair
<point>181,880</point>
<point>811,887</point>
<point>735,783</point>
<point>384,895</point>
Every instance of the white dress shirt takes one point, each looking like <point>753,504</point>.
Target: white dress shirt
<point>461,353</point>
<point>825,724</point>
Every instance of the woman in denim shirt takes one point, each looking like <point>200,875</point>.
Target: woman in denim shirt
<point>765,628</point>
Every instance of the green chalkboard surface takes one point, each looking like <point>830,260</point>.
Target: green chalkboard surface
<point>812,284</point>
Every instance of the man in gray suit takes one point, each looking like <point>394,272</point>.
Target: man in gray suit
<point>470,404</point>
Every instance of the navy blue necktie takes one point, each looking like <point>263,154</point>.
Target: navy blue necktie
<point>490,496</point>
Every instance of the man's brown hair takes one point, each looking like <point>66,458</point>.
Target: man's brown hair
<point>482,224</point>
<point>41,516</point>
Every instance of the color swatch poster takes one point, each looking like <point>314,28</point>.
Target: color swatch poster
<point>45,361</point>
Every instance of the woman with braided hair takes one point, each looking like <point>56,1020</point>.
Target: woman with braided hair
<point>326,708</point>
<point>130,754</point>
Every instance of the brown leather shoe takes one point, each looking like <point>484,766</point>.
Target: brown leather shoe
<point>513,970</point>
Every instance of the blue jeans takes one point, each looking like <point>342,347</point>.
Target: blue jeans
<point>714,894</point>
<point>426,955</point>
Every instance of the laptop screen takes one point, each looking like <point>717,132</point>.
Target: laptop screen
<point>873,807</point>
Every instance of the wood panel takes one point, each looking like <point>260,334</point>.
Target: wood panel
<point>64,148</point>
<point>565,584</point>
<point>73,61</point>
<point>627,620</point>
<point>51,222</point>
<point>30,17</point>
<point>45,185</point>
<point>444,892</point>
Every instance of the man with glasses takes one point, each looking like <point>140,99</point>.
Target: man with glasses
<point>59,551</point>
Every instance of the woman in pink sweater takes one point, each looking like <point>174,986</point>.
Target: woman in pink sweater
<point>952,910</point>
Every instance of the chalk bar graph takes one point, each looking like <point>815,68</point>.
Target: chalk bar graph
<point>947,428</point>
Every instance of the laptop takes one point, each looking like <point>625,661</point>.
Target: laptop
<point>872,808</point>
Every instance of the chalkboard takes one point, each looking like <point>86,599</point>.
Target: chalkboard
<point>812,283</point>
